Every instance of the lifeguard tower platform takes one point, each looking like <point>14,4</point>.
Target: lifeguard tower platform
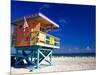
<point>32,41</point>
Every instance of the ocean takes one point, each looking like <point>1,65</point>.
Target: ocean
<point>77,55</point>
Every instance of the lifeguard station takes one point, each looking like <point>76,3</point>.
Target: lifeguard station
<point>31,40</point>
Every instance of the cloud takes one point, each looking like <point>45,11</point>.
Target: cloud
<point>44,6</point>
<point>62,21</point>
<point>88,48</point>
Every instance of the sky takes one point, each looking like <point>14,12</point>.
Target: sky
<point>77,23</point>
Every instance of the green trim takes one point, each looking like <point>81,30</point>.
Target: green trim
<point>40,54</point>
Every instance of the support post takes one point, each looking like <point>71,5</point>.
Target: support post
<point>37,65</point>
<point>51,58</point>
<point>16,57</point>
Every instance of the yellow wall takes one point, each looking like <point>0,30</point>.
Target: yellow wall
<point>52,40</point>
<point>34,32</point>
<point>42,37</point>
<point>37,28</point>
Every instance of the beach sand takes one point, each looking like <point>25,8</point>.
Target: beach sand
<point>61,64</point>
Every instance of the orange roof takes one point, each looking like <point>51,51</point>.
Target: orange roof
<point>38,17</point>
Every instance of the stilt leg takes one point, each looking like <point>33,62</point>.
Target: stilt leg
<point>37,65</point>
<point>51,58</point>
<point>16,57</point>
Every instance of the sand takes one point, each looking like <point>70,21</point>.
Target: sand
<point>61,64</point>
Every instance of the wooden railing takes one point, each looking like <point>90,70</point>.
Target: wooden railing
<point>46,40</point>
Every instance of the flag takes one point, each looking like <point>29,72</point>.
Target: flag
<point>25,24</point>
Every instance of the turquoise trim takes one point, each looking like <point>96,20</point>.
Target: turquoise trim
<point>38,53</point>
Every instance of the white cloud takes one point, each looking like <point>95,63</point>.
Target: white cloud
<point>88,48</point>
<point>44,6</point>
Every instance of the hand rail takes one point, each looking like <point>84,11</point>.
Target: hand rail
<point>57,41</point>
<point>50,35</point>
<point>35,36</point>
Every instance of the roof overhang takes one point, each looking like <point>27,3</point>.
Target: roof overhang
<point>49,20</point>
<point>38,17</point>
